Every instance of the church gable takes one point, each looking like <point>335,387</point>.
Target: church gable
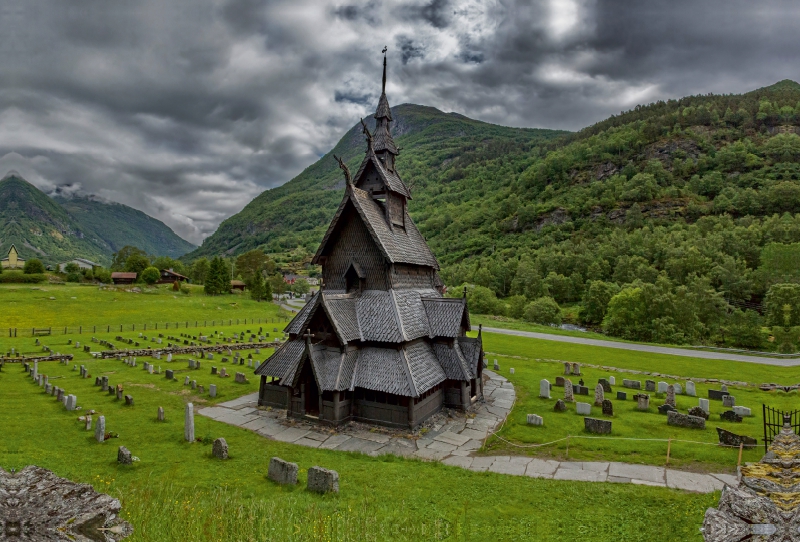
<point>352,243</point>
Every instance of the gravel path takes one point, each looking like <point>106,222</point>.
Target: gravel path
<point>454,443</point>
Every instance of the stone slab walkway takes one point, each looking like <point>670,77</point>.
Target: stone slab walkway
<point>454,443</point>
<point>785,362</point>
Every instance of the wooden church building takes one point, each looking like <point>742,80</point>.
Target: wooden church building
<point>378,343</point>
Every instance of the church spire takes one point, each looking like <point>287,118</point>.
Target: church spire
<point>383,143</point>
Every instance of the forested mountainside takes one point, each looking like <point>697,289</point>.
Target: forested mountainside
<point>657,222</point>
<point>120,225</point>
<point>437,148</point>
<point>56,231</point>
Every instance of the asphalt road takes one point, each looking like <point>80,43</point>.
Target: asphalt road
<point>780,362</point>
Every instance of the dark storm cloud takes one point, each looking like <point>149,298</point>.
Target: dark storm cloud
<point>187,109</point>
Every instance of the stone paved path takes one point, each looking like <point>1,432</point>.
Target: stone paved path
<point>454,443</point>
<point>785,362</point>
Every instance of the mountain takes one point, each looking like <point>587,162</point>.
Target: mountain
<point>437,151</point>
<point>655,224</point>
<point>130,226</point>
<point>58,230</point>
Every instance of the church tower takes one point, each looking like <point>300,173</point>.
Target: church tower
<point>378,343</point>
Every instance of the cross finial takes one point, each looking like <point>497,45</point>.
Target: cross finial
<point>465,292</point>
<point>308,335</point>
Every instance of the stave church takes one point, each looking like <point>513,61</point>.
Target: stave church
<point>378,343</point>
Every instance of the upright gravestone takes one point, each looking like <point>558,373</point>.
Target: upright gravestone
<point>212,390</point>
<point>188,430</point>
<point>608,408</point>
<point>544,389</point>
<point>220,449</point>
<point>599,396</point>
<point>185,380</point>
<point>678,389</point>
<point>728,401</point>
<point>567,368</point>
<point>576,369</point>
<point>584,409</point>
<point>100,429</point>
<point>282,472</point>
<point>568,393</point>
<point>723,388</point>
<point>72,402</point>
<point>662,387</point>
<point>612,380</point>
<point>323,480</point>
<point>534,419</point>
<point>690,389</point>
<point>649,385</point>
<point>124,456</point>
<point>703,403</point>
<point>169,374</point>
<point>88,425</point>
<point>670,400</point>
<point>642,401</point>
<point>496,366</point>
<point>161,414</point>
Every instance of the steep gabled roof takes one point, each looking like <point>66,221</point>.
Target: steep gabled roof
<point>283,364</point>
<point>445,316</point>
<point>300,321</point>
<point>390,178</point>
<point>398,245</point>
<point>383,111</point>
<point>382,139</point>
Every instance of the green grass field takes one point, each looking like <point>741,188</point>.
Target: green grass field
<point>32,306</point>
<point>534,360</point>
<point>177,491</point>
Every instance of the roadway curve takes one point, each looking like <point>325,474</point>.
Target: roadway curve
<point>787,362</point>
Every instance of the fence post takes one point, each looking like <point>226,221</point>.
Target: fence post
<point>741,447</point>
<point>567,446</point>
<point>669,448</point>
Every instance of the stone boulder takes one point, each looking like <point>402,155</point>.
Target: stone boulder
<point>730,416</point>
<point>220,449</point>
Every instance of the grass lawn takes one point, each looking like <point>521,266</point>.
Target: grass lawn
<point>177,491</point>
<point>29,306</point>
<point>534,360</point>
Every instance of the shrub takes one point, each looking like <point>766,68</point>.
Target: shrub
<point>150,275</point>
<point>516,306</point>
<point>543,311</point>
<point>74,277</point>
<point>102,275</point>
<point>33,267</point>
<point>185,289</point>
<point>176,286</point>
<point>11,277</point>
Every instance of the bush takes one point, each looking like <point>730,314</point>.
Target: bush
<point>33,267</point>
<point>543,311</point>
<point>150,275</point>
<point>481,300</point>
<point>15,277</point>
<point>103,275</point>
<point>74,277</point>
<point>516,306</point>
<point>176,286</point>
<point>185,289</point>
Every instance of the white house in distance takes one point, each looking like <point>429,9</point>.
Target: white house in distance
<point>82,263</point>
<point>12,261</point>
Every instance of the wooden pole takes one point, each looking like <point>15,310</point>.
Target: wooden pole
<point>669,448</point>
<point>741,447</point>
<point>567,446</point>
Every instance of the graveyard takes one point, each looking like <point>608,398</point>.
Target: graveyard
<point>176,490</point>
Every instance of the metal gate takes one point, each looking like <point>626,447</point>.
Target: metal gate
<point>774,420</point>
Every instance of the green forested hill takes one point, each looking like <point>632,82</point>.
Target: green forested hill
<point>128,226</point>
<point>658,222</point>
<point>437,148</point>
<point>55,231</point>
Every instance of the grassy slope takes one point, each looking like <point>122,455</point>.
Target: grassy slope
<point>119,225</point>
<point>436,148</point>
<point>534,360</point>
<point>178,492</point>
<point>28,306</point>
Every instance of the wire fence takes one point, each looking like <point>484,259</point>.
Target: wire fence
<point>121,328</point>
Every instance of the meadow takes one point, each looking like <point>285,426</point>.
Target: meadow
<point>178,491</point>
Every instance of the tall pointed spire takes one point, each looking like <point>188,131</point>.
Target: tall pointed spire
<point>383,142</point>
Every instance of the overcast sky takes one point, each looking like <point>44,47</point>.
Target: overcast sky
<point>188,109</point>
